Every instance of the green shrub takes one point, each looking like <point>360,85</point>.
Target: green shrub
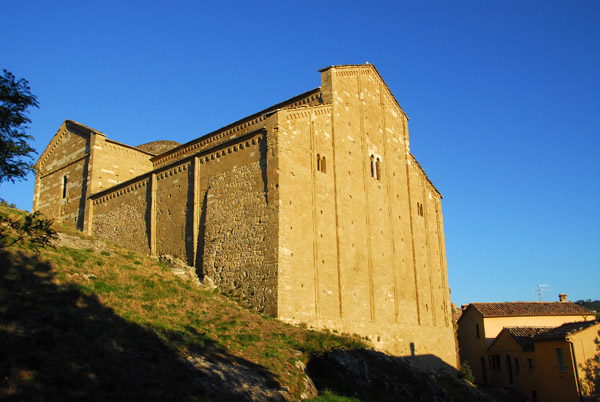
<point>330,396</point>
<point>466,374</point>
<point>35,230</point>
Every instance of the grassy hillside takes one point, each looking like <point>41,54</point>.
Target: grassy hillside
<point>92,321</point>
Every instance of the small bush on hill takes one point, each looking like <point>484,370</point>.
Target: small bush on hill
<point>34,230</point>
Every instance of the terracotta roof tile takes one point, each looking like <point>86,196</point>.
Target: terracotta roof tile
<point>524,335</point>
<point>565,330</point>
<point>522,309</point>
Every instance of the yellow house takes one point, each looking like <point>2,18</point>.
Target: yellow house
<point>545,364</point>
<point>480,323</point>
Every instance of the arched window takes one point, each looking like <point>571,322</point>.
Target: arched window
<point>378,169</point>
<point>64,187</point>
<point>323,165</point>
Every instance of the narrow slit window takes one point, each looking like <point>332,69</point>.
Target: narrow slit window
<point>323,165</point>
<point>560,359</point>
<point>318,162</point>
<point>378,169</point>
<point>372,166</point>
<point>64,187</point>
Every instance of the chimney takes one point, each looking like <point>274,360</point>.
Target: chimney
<point>562,297</point>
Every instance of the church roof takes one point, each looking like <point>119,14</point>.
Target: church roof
<point>158,147</point>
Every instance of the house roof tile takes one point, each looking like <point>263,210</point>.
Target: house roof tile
<point>565,330</point>
<point>523,309</point>
<point>524,335</point>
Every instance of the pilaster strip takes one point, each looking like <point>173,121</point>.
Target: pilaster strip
<point>153,185</point>
<point>366,190</point>
<point>428,248</point>
<point>412,235</point>
<point>314,212</point>
<point>389,202</point>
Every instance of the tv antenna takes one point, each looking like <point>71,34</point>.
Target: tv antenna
<point>541,289</point>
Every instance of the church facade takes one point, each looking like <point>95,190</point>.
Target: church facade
<point>313,211</point>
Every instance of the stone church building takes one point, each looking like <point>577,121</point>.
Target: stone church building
<point>312,210</point>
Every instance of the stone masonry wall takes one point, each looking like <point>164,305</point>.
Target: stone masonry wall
<point>209,209</point>
<point>115,163</point>
<point>235,244</point>
<point>174,211</point>
<point>361,247</point>
<point>64,164</point>
<point>122,216</point>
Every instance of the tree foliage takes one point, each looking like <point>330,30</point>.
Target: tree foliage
<point>35,230</point>
<point>590,304</point>
<point>591,370</point>
<point>15,150</point>
<point>466,373</point>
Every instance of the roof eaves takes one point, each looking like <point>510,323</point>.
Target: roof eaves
<point>268,111</point>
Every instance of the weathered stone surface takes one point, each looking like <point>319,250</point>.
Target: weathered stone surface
<point>310,391</point>
<point>77,242</point>
<point>236,382</point>
<point>374,376</point>
<point>186,272</point>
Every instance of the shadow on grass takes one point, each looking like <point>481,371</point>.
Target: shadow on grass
<point>57,343</point>
<point>374,376</point>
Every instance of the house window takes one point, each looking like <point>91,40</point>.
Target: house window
<point>477,331</point>
<point>530,364</point>
<point>516,366</point>
<point>560,359</point>
<point>64,187</point>
<point>496,362</point>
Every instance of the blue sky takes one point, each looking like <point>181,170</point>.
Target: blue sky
<point>503,99</point>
